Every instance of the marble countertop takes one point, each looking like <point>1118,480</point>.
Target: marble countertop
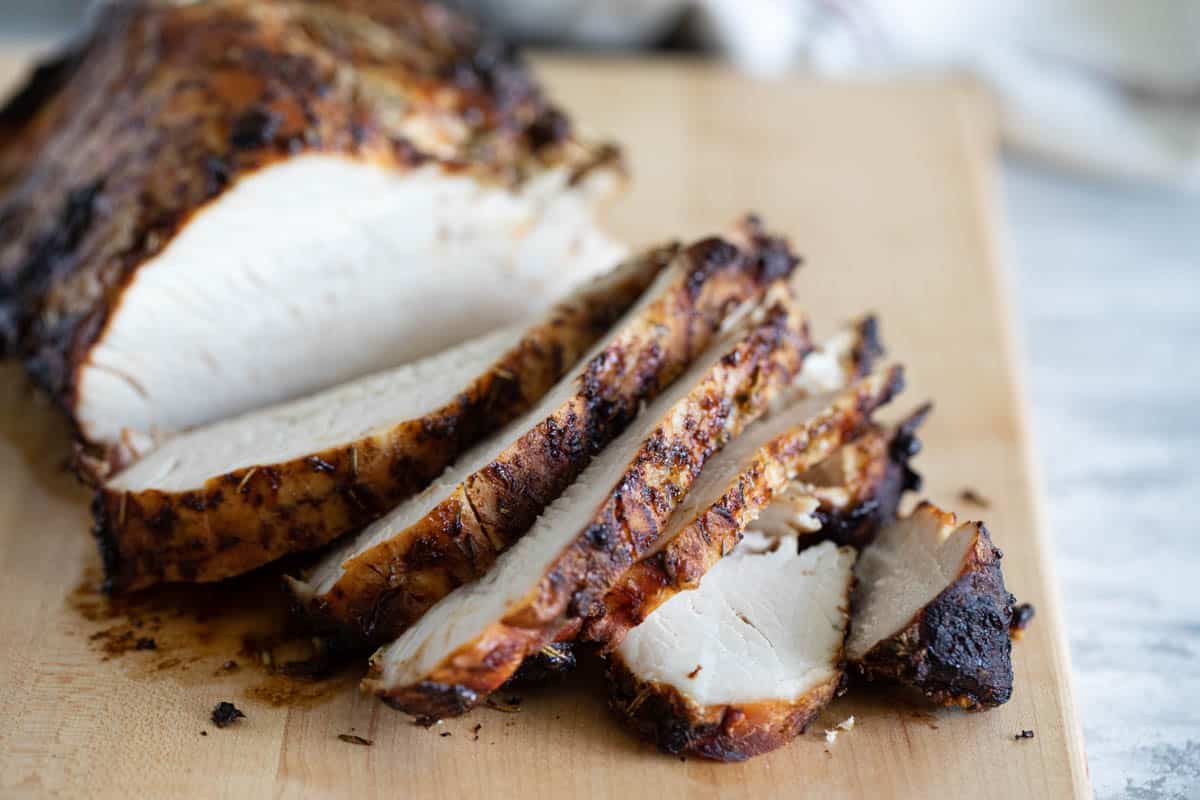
<point>1108,289</point>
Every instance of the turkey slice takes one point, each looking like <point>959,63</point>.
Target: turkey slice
<point>743,663</point>
<point>472,641</point>
<point>931,611</point>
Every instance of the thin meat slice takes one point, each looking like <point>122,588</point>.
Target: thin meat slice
<point>214,207</point>
<point>471,642</point>
<point>733,489</point>
<point>850,495</point>
<point>372,587</point>
<point>743,663</point>
<point>225,498</point>
<point>931,611</point>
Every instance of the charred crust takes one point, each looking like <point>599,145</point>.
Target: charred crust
<point>661,715</point>
<point>965,633</point>
<point>108,546</point>
<point>48,256</point>
<point>546,666</point>
<point>43,83</point>
<point>708,256</point>
<point>905,444</point>
<point>958,651</point>
<point>549,128</point>
<point>439,699</point>
<point>869,346</point>
<point>1022,615</point>
<point>877,499</point>
<point>254,128</point>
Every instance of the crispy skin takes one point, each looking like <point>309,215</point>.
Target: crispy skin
<point>735,391</point>
<point>387,588</point>
<point>108,152</point>
<point>680,563</point>
<point>242,519</point>
<point>661,715</point>
<point>957,649</point>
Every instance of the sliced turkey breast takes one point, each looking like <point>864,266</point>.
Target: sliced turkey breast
<point>743,663</point>
<point>734,487</point>
<point>379,582</point>
<point>472,641</point>
<point>212,207</point>
<point>931,611</point>
<point>225,498</point>
<point>849,495</point>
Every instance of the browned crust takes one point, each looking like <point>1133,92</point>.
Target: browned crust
<point>661,715</point>
<point>387,588</point>
<point>681,563</point>
<point>957,649</point>
<point>732,394</point>
<point>242,519</point>
<point>108,154</point>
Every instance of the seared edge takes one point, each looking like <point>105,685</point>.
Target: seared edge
<point>245,518</point>
<point>387,588</point>
<point>715,531</point>
<point>663,716</point>
<point>957,649</point>
<point>107,153</point>
<point>733,393</point>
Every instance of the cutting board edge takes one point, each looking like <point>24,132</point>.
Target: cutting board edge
<point>989,193</point>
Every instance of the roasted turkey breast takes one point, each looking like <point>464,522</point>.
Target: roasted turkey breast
<point>211,207</point>
<point>472,641</point>
<point>224,498</point>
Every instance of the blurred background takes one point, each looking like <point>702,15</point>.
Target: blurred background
<point>1100,111</point>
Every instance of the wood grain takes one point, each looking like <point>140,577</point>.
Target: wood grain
<point>887,190</point>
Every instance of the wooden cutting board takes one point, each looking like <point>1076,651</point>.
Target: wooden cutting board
<point>888,191</point>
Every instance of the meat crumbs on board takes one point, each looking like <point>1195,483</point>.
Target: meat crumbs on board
<point>225,714</point>
<point>351,738</point>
